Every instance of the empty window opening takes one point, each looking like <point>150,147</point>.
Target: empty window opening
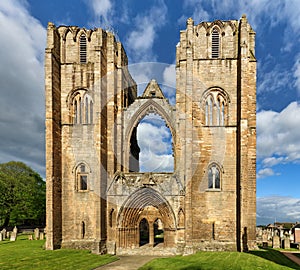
<point>214,177</point>
<point>82,108</point>
<point>151,146</point>
<point>82,178</point>
<point>216,109</point>
<point>215,43</point>
<point>83,49</point>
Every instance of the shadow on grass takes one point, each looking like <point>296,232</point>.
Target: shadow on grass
<point>275,256</point>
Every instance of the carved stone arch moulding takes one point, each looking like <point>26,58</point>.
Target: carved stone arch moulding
<point>83,31</point>
<point>148,107</point>
<point>129,212</point>
<point>216,24</point>
<point>218,90</point>
<point>73,93</point>
<point>81,162</point>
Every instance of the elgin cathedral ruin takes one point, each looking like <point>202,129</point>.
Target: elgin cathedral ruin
<point>97,196</point>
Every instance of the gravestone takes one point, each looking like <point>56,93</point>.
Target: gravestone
<point>30,237</point>
<point>3,233</point>
<point>1,236</point>
<point>7,234</point>
<point>13,236</point>
<point>41,236</point>
<point>265,240</point>
<point>286,242</point>
<point>15,230</point>
<point>36,233</point>
<point>276,241</point>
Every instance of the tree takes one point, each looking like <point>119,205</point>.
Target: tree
<point>22,195</point>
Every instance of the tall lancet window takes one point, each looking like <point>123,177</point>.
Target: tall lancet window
<point>82,49</point>
<point>215,43</point>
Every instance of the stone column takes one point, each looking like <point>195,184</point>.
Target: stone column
<point>151,234</point>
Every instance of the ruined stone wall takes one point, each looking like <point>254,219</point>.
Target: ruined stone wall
<point>216,218</point>
<point>86,94</point>
<point>92,108</point>
<point>53,140</point>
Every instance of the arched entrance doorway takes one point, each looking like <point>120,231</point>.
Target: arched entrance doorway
<point>146,217</point>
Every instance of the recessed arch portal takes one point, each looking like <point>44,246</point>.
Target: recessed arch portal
<point>133,211</point>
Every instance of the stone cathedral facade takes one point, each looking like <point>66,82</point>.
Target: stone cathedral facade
<point>97,198</point>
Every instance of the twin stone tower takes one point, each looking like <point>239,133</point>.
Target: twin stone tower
<point>97,198</point>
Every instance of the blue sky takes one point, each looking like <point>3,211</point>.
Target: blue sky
<point>149,31</point>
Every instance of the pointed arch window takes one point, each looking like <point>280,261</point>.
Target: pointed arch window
<point>82,177</point>
<point>215,43</point>
<point>214,177</point>
<point>81,109</point>
<point>83,49</point>
<point>215,104</point>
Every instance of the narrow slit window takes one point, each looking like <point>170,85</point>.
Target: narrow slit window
<point>86,110</point>
<point>91,112</point>
<point>75,112</point>
<point>83,49</point>
<point>215,44</point>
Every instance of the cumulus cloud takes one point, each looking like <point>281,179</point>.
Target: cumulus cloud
<point>278,134</point>
<point>22,86</point>
<point>102,9</point>
<point>278,138</point>
<point>265,173</point>
<point>141,39</point>
<point>155,142</point>
<point>279,208</point>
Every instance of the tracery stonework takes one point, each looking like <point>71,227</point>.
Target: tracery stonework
<point>96,197</point>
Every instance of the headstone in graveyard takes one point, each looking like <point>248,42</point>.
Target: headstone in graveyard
<point>13,236</point>
<point>36,233</point>
<point>276,241</point>
<point>41,236</point>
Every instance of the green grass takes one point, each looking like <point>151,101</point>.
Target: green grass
<point>25,254</point>
<point>261,259</point>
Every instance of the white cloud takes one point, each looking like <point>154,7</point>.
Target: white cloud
<point>102,9</point>
<point>22,85</point>
<point>278,134</point>
<point>279,208</point>
<point>297,73</point>
<point>169,76</point>
<point>272,161</point>
<point>141,39</point>
<point>265,173</point>
<point>275,80</point>
<point>261,12</point>
<point>155,142</point>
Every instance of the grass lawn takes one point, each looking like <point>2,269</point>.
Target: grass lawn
<point>261,259</point>
<point>25,254</point>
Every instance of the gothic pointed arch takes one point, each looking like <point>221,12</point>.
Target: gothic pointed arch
<point>215,103</point>
<point>80,104</point>
<point>150,106</point>
<point>146,107</point>
<point>129,214</point>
